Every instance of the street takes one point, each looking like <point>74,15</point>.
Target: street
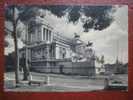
<point>58,83</point>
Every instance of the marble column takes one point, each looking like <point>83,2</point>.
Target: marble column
<point>45,34</point>
<point>50,36</point>
<point>48,56</point>
<point>47,48</point>
<point>42,33</point>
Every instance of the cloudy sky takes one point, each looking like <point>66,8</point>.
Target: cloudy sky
<point>110,42</point>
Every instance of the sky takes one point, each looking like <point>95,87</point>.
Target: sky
<point>111,42</point>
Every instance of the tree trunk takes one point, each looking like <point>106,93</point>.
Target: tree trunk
<point>16,58</point>
<point>26,66</point>
<point>27,63</point>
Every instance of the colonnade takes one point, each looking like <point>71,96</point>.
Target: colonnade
<point>47,35</point>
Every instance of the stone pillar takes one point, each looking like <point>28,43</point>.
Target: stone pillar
<point>47,48</point>
<point>49,36</point>
<point>48,56</point>
<point>52,51</point>
<point>42,33</point>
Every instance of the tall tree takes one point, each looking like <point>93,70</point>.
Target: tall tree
<point>16,15</point>
<point>14,20</point>
<point>13,15</point>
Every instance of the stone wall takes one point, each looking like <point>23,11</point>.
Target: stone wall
<point>70,68</point>
<point>83,68</point>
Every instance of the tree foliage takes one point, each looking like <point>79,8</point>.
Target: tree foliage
<point>100,17</point>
